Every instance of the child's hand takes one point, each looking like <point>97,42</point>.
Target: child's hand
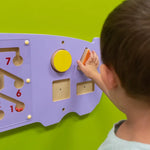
<point>90,68</point>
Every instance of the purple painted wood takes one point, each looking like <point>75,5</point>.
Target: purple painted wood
<point>37,95</point>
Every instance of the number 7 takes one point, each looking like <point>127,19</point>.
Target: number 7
<point>8,60</point>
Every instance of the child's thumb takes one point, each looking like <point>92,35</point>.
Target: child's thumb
<point>80,64</point>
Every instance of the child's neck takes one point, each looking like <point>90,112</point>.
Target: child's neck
<point>137,126</point>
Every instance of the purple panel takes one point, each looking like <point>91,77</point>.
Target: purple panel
<point>37,95</point>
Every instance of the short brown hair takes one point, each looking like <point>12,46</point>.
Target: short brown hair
<point>125,45</point>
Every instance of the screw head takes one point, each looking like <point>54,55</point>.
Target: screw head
<point>28,80</point>
<point>29,116</point>
<point>26,42</point>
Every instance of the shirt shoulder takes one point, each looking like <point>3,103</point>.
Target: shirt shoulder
<point>113,142</point>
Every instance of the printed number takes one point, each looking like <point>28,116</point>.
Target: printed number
<point>18,94</point>
<point>11,108</point>
<point>8,60</point>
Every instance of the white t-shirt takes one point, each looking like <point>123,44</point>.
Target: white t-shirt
<point>113,142</point>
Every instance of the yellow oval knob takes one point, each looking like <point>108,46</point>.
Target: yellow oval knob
<point>61,60</point>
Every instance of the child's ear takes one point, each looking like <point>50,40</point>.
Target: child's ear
<point>108,76</point>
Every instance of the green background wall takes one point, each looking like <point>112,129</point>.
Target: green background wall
<point>81,19</point>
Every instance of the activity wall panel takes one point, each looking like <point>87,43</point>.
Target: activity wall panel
<point>39,79</point>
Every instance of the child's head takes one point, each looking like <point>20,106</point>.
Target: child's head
<point>125,45</point>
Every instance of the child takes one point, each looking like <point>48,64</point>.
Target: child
<point>125,73</point>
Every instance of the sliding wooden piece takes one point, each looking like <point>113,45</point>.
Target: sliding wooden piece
<point>85,56</point>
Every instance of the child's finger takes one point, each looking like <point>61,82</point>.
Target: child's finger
<point>97,60</point>
<point>96,57</point>
<point>80,64</point>
<point>94,54</point>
